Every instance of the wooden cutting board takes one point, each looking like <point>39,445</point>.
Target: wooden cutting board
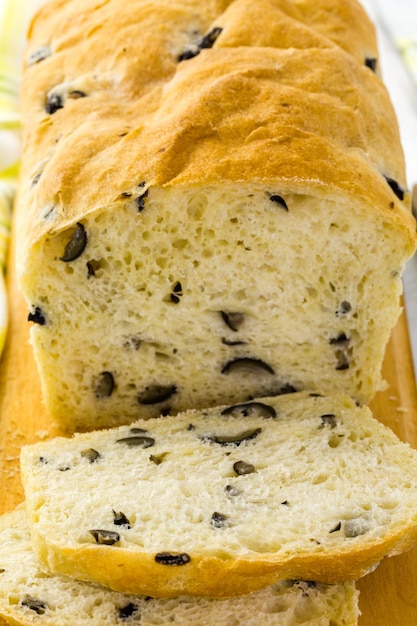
<point>388,595</point>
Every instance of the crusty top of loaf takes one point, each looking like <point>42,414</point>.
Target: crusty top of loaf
<point>284,92</point>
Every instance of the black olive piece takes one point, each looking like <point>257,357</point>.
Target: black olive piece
<point>279,200</point>
<point>138,431</point>
<point>233,320</point>
<point>127,611</point>
<point>218,520</point>
<point>399,192</point>
<point>241,468</point>
<point>153,394</point>
<point>54,103</point>
<point>371,62</point>
<point>336,528</point>
<point>38,55</point>
<point>227,342</point>
<point>105,537</point>
<point>341,339</point>
<point>251,366</point>
<point>235,440</point>
<point>158,458</point>
<point>342,360</point>
<point>140,200</point>
<point>37,316</point>
<point>204,43</point>
<point>76,245</point>
<point>344,308</point>
<point>166,558</point>
<point>137,441</point>
<point>120,519</point>
<point>249,409</point>
<point>76,94</point>
<point>90,454</point>
<point>176,292</point>
<point>190,427</point>
<point>38,606</point>
<point>104,385</point>
<point>328,419</point>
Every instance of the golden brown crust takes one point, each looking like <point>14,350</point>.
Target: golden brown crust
<point>251,108</point>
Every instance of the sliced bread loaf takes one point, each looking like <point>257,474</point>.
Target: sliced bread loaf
<point>212,192</point>
<point>31,595</point>
<point>222,502</point>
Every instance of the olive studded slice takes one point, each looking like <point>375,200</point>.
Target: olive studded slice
<point>37,316</point>
<point>137,441</point>
<point>140,200</point>
<point>218,520</point>
<point>248,365</point>
<point>233,320</point>
<point>250,409</point>
<point>90,454</point>
<point>153,394</point>
<point>120,519</point>
<point>242,468</point>
<point>235,440</point>
<point>104,385</point>
<point>34,604</point>
<point>167,558</point>
<point>76,245</point>
<point>105,537</point>
<point>127,611</point>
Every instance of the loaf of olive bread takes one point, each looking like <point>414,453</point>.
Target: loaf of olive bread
<point>224,501</point>
<point>30,595</point>
<point>212,204</point>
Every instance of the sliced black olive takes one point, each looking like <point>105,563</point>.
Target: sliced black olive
<point>233,320</point>
<point>36,315</point>
<point>336,528</point>
<point>344,308</point>
<point>75,94</point>
<point>328,419</point>
<point>228,342</point>
<point>251,366</point>
<point>90,454</point>
<point>120,519</point>
<point>241,468</point>
<point>38,55</point>
<point>250,409</point>
<point>105,537</point>
<point>156,393</point>
<point>137,441</point>
<point>127,611</point>
<point>38,606</point>
<point>279,200</point>
<point>218,520</point>
<point>399,192</point>
<point>235,440</point>
<point>54,103</point>
<point>140,200</point>
<point>104,385</point>
<point>137,431</point>
<point>166,558</point>
<point>205,42</point>
<point>76,245</point>
<point>371,62</point>
<point>176,292</point>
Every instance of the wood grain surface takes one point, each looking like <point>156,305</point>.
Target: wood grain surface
<point>388,595</point>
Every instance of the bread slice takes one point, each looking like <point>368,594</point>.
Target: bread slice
<point>212,207</point>
<point>30,594</point>
<point>224,501</point>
